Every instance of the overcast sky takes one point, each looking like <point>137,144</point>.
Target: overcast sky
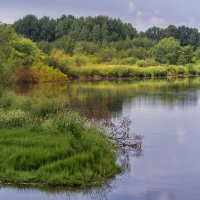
<point>141,13</point>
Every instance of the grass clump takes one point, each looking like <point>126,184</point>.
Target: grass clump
<point>51,147</point>
<point>141,70</point>
<point>13,118</point>
<point>55,159</point>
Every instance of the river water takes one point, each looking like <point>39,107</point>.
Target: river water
<point>165,112</point>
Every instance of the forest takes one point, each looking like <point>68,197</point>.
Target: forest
<point>45,49</point>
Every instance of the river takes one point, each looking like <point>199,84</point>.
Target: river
<point>165,112</point>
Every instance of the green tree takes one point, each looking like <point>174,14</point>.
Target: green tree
<point>84,47</point>
<point>26,52</point>
<point>183,34</point>
<point>186,55</point>
<point>84,34</point>
<point>170,31</point>
<point>29,27</point>
<point>155,33</point>
<point>104,33</point>
<point>167,51</point>
<point>107,54</point>
<point>194,39</point>
<point>6,51</point>
<point>47,29</point>
<point>64,25</point>
<point>65,43</point>
<point>96,33</point>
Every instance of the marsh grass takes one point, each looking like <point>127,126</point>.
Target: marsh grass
<point>41,143</point>
<point>133,71</point>
<point>55,159</point>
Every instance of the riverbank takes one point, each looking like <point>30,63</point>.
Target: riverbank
<point>99,72</point>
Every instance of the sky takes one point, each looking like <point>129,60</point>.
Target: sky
<point>141,13</point>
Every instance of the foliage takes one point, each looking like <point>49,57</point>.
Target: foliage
<point>95,29</point>
<point>38,73</point>
<point>27,53</point>
<point>13,118</point>
<point>52,146</point>
<point>141,63</point>
<point>167,51</point>
<point>89,48</point>
<point>6,52</point>
<point>69,43</point>
<point>46,158</point>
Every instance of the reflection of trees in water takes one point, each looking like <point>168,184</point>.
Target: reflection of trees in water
<point>106,98</point>
<point>94,103</point>
<point>94,109</point>
<point>99,101</point>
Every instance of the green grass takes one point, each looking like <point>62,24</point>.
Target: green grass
<point>46,158</point>
<point>133,71</point>
<point>48,145</point>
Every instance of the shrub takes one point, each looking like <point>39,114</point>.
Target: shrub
<point>64,123</point>
<point>128,61</point>
<point>38,73</point>
<point>142,63</point>
<point>13,118</point>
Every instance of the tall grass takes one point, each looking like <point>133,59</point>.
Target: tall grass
<point>42,143</point>
<point>124,71</point>
<point>55,159</point>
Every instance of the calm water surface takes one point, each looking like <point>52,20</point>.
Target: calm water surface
<point>166,113</point>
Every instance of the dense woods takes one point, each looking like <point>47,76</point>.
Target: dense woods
<point>103,35</point>
<point>98,29</point>
<point>46,49</point>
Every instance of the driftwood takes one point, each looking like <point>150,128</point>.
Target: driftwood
<point>119,134</point>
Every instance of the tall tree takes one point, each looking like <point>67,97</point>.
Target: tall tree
<point>155,33</point>
<point>104,32</point>
<point>170,31</point>
<point>7,35</point>
<point>47,29</point>
<point>29,27</point>
<point>167,51</point>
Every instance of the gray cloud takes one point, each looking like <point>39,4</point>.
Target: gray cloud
<point>141,13</point>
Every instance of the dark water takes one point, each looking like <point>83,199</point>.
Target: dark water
<point>165,112</point>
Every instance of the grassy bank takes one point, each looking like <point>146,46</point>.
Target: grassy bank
<point>55,159</point>
<point>47,146</point>
<point>98,72</point>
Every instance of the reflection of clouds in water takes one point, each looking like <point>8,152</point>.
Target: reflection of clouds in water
<point>159,195</point>
<point>181,136</point>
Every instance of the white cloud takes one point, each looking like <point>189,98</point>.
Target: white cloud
<point>142,19</point>
<point>156,21</point>
<point>8,20</point>
<point>131,7</point>
<point>181,136</point>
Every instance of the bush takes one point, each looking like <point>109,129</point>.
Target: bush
<point>151,62</point>
<point>13,118</point>
<point>142,63</point>
<point>64,123</point>
<point>128,61</point>
<point>38,73</point>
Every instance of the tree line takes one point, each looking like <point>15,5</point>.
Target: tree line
<point>98,29</point>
